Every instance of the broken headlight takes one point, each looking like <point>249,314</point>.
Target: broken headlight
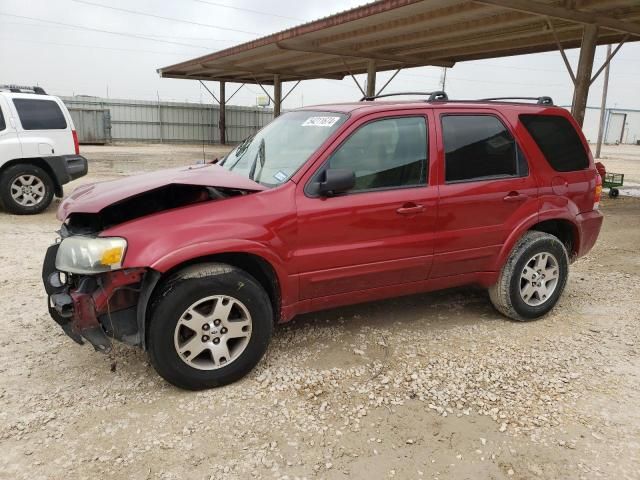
<point>87,255</point>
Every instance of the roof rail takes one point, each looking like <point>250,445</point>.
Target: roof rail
<point>437,96</point>
<point>23,89</point>
<point>539,100</point>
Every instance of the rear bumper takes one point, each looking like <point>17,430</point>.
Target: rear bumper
<point>66,168</point>
<point>589,224</point>
<point>94,308</point>
<point>75,165</point>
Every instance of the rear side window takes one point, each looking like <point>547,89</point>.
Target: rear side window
<point>558,141</point>
<point>39,114</point>
<point>3,125</point>
<point>479,147</point>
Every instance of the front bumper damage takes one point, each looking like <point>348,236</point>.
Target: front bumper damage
<point>98,308</point>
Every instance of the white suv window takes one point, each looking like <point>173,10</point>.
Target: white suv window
<point>3,125</point>
<point>40,114</point>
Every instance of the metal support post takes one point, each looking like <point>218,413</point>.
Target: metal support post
<point>222,124</point>
<point>277,96</point>
<point>371,78</point>
<point>583,75</point>
<point>603,105</point>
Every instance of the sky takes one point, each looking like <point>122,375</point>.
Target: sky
<point>79,47</point>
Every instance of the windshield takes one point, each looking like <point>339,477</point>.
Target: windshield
<point>274,154</point>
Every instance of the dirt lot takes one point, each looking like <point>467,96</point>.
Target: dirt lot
<point>428,386</point>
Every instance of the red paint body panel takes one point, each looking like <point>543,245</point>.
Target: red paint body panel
<point>352,248</point>
<point>107,299</point>
<point>94,197</point>
<point>360,241</point>
<point>474,218</point>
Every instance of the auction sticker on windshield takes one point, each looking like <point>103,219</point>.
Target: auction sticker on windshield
<point>320,121</point>
<point>280,176</point>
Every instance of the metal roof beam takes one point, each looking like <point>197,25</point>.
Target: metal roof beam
<point>229,67</point>
<point>570,15</point>
<point>348,53</point>
<point>610,56</point>
<point>504,37</point>
<point>468,27</point>
<point>441,15</point>
<point>222,77</point>
<point>562,52</point>
<point>517,47</point>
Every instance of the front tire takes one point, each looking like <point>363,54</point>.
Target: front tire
<point>25,189</point>
<point>533,278</point>
<point>210,325</point>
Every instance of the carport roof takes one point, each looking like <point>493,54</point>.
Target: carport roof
<point>409,33</point>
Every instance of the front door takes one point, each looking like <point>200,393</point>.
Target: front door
<point>381,232</point>
<point>486,189</point>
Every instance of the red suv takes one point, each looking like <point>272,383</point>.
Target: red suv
<point>325,206</point>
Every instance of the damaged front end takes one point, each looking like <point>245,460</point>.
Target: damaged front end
<point>92,294</point>
<point>101,307</point>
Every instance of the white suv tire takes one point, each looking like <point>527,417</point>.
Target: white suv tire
<point>25,189</point>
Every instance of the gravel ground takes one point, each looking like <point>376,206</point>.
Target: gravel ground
<point>429,386</point>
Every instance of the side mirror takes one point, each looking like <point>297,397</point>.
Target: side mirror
<point>336,181</point>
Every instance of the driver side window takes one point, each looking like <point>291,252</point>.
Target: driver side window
<point>389,153</point>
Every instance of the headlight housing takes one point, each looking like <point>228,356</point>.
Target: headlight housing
<point>87,255</point>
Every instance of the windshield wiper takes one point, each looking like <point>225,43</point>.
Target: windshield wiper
<point>260,155</point>
<point>240,149</point>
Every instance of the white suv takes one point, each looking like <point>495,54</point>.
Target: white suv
<point>39,150</point>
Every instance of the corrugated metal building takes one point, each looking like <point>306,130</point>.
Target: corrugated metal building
<point>105,120</point>
<point>621,125</point>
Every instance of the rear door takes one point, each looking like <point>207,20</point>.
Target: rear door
<point>486,189</point>
<point>381,232</point>
<point>44,129</point>
<point>9,143</point>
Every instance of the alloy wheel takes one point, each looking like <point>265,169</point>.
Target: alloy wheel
<point>28,190</point>
<point>539,279</point>
<point>213,332</point>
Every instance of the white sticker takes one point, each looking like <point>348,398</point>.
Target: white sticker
<point>280,176</point>
<point>320,121</point>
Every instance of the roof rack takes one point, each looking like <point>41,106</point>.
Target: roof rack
<point>539,100</point>
<point>23,89</point>
<point>437,96</point>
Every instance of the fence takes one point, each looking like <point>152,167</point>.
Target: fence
<point>105,120</point>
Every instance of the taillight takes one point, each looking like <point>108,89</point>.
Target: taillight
<point>76,144</point>
<point>597,193</point>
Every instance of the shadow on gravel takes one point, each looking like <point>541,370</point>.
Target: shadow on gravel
<point>440,310</point>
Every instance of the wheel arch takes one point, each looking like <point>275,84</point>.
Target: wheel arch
<point>558,225</point>
<point>37,162</point>
<point>563,229</point>
<point>255,265</point>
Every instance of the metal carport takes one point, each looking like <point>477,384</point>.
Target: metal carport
<point>395,34</point>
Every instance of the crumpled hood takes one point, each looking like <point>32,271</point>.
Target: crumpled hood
<point>92,198</point>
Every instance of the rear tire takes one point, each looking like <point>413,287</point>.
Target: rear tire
<point>614,192</point>
<point>210,325</point>
<point>25,189</point>
<point>533,278</point>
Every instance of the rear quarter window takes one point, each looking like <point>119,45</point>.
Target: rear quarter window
<point>3,125</point>
<point>558,140</point>
<point>40,114</point>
